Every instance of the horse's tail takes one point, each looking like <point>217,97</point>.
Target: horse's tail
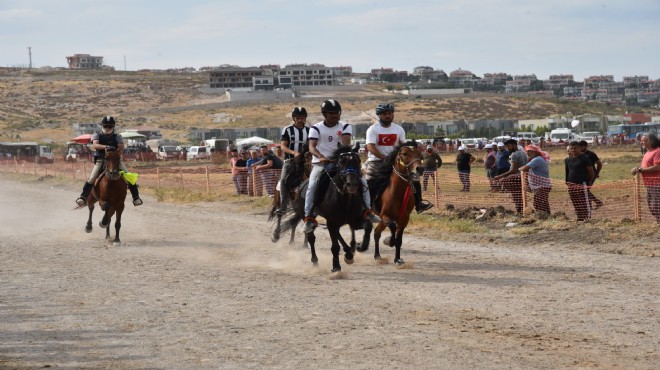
<point>291,222</point>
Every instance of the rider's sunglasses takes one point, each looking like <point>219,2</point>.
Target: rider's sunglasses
<point>107,126</point>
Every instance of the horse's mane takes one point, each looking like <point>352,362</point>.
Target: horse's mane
<point>382,170</point>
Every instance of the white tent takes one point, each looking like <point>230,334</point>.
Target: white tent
<point>253,141</point>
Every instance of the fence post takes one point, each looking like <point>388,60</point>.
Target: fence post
<point>523,189</point>
<point>181,176</point>
<point>158,177</point>
<point>637,198</point>
<point>208,183</point>
<point>436,192</point>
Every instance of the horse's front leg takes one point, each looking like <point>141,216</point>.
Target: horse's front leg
<point>117,242</point>
<point>88,227</point>
<point>368,228</point>
<point>348,249</point>
<point>398,241</point>
<point>335,248</point>
<point>377,233</point>
<point>311,239</point>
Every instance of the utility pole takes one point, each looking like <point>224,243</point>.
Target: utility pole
<point>124,63</point>
<point>30,55</point>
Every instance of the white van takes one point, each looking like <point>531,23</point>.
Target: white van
<point>529,136</point>
<point>198,152</point>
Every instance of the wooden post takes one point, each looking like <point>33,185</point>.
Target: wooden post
<point>523,189</point>
<point>436,190</point>
<point>158,177</point>
<point>637,198</point>
<point>208,182</point>
<point>181,177</point>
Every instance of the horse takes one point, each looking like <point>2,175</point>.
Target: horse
<point>110,191</point>
<point>298,172</point>
<point>393,194</point>
<point>338,200</point>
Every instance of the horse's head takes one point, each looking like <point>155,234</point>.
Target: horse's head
<point>348,167</point>
<point>112,165</point>
<point>409,160</point>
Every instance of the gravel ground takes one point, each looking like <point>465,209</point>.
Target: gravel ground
<point>202,286</point>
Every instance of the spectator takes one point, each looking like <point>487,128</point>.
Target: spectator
<point>464,161</point>
<point>510,179</point>
<point>538,177</point>
<point>269,168</point>
<point>490,163</point>
<point>650,171</point>
<point>579,173</point>
<point>430,161</point>
<point>598,165</point>
<point>255,186</point>
<point>238,171</point>
<point>502,159</point>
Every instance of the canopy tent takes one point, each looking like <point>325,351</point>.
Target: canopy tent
<point>83,139</point>
<point>132,135</point>
<point>253,141</point>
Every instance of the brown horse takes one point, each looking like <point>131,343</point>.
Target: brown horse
<point>392,185</point>
<point>110,191</point>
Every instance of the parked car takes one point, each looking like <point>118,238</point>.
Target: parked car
<point>198,152</point>
<point>470,143</point>
<point>588,136</point>
<point>167,152</point>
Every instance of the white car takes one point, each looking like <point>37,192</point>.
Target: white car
<point>198,152</point>
<point>589,136</point>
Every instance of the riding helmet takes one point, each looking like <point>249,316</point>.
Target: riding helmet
<point>384,107</point>
<point>108,121</point>
<point>299,112</point>
<point>330,106</point>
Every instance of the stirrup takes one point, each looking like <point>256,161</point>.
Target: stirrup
<point>137,202</point>
<point>424,206</point>
<point>372,217</point>
<point>81,202</point>
<point>310,224</point>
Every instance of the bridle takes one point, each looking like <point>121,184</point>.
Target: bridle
<point>344,172</point>
<point>405,174</point>
<point>112,174</point>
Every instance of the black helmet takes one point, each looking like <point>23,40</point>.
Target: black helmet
<point>108,121</point>
<point>299,112</point>
<point>384,107</point>
<point>330,106</point>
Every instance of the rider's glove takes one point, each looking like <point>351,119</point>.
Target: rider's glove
<point>110,148</point>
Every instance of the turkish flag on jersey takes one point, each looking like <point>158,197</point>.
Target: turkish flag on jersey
<point>387,139</point>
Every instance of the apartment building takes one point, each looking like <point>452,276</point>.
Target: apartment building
<point>522,83</point>
<point>84,61</point>
<point>461,77</point>
<point>558,82</point>
<point>305,75</point>
<point>232,77</point>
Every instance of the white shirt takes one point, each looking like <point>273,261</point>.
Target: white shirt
<point>384,138</point>
<point>328,137</point>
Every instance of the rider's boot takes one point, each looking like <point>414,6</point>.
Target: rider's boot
<point>420,205</point>
<point>310,224</point>
<point>82,200</point>
<point>371,216</point>
<point>136,195</point>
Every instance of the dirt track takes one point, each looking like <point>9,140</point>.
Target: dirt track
<point>201,286</point>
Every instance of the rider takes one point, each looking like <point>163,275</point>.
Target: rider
<point>106,140</point>
<point>294,138</point>
<point>381,139</point>
<point>323,139</point>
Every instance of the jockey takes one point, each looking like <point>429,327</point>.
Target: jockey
<point>106,140</point>
<point>294,138</point>
<point>382,137</point>
<point>323,139</point>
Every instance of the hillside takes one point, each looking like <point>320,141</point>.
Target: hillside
<point>35,105</point>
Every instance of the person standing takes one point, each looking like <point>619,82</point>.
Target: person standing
<point>598,165</point>
<point>538,177</point>
<point>431,161</point>
<point>269,168</point>
<point>464,162</point>
<point>106,140</point>
<point>382,137</point>
<point>579,173</point>
<point>323,139</point>
<point>255,188</point>
<point>650,172</point>
<point>511,179</point>
<point>292,142</point>
<point>490,163</point>
<point>239,171</point>
<point>502,158</point>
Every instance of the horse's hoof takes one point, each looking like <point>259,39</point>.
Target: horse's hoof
<point>116,244</point>
<point>387,241</point>
<point>336,269</point>
<point>103,226</point>
<point>399,262</point>
<point>274,239</point>
<point>377,257</point>
<point>349,261</point>
<point>88,229</point>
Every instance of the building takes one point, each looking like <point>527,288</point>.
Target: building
<point>233,77</point>
<point>461,77</point>
<point>294,75</point>
<point>85,128</point>
<point>84,61</point>
<point>556,82</point>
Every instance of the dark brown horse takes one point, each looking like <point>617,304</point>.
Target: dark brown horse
<point>394,198</point>
<point>110,191</point>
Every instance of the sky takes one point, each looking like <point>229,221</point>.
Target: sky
<point>579,37</point>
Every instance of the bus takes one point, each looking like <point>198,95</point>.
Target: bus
<point>633,131</point>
